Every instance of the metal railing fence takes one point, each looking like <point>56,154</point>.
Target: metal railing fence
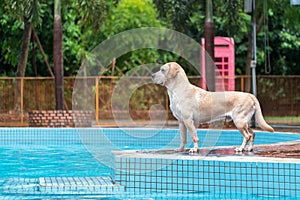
<point>278,95</point>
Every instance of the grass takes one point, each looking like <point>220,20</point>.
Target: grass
<point>285,119</point>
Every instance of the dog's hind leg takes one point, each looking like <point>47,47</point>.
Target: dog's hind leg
<point>245,141</point>
<point>246,135</point>
<point>252,136</point>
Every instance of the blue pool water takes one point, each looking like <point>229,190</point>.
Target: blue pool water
<point>32,153</point>
<point>43,161</point>
<point>70,152</point>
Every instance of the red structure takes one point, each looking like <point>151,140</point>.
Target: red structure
<point>224,61</point>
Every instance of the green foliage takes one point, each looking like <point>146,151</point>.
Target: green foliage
<point>127,15</point>
<point>231,21</point>
<point>89,14</point>
<point>143,99</point>
<point>292,16</point>
<point>30,9</point>
<point>78,29</point>
<point>284,38</point>
<point>9,43</point>
<point>130,14</point>
<point>36,12</point>
<point>13,13</point>
<point>86,23</point>
<point>178,15</point>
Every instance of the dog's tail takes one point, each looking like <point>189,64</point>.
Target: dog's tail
<point>259,119</point>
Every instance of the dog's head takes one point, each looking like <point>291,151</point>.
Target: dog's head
<point>166,73</point>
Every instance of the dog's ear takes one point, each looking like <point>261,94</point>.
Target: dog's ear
<point>173,70</point>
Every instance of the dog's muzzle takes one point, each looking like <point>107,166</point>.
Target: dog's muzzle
<point>154,79</point>
<point>153,76</point>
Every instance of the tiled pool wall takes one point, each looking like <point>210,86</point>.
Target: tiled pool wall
<point>207,175</point>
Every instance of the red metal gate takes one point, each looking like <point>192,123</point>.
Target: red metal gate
<point>224,61</point>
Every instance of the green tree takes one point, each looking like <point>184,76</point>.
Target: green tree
<point>284,42</point>
<point>29,12</point>
<point>89,10</point>
<point>10,44</point>
<point>84,31</point>
<point>181,16</point>
<point>82,21</point>
<point>20,16</point>
<point>127,15</point>
<point>231,21</point>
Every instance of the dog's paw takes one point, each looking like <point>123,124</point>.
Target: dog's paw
<point>239,149</point>
<point>193,150</point>
<point>249,149</point>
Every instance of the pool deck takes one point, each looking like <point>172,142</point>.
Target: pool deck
<point>217,153</point>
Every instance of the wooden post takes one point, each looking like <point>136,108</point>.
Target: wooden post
<point>97,100</point>
<point>242,84</point>
<point>167,109</point>
<point>22,100</point>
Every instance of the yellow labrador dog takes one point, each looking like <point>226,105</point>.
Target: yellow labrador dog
<point>192,105</point>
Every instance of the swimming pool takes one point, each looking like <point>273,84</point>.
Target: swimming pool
<point>47,162</point>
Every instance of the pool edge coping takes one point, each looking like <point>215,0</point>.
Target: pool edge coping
<point>236,158</point>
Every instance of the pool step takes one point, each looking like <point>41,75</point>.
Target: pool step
<point>79,185</point>
<point>19,186</point>
<point>60,185</point>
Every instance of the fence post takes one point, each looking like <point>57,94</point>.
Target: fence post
<point>167,108</point>
<point>97,99</point>
<point>242,84</point>
<point>22,100</point>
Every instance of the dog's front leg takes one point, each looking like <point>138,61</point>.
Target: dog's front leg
<point>189,123</point>
<point>183,131</point>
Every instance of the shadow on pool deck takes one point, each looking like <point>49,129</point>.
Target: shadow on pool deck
<point>201,152</point>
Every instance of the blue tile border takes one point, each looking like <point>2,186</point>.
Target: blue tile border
<point>132,138</point>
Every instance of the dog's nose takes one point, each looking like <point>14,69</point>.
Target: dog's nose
<point>153,76</point>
